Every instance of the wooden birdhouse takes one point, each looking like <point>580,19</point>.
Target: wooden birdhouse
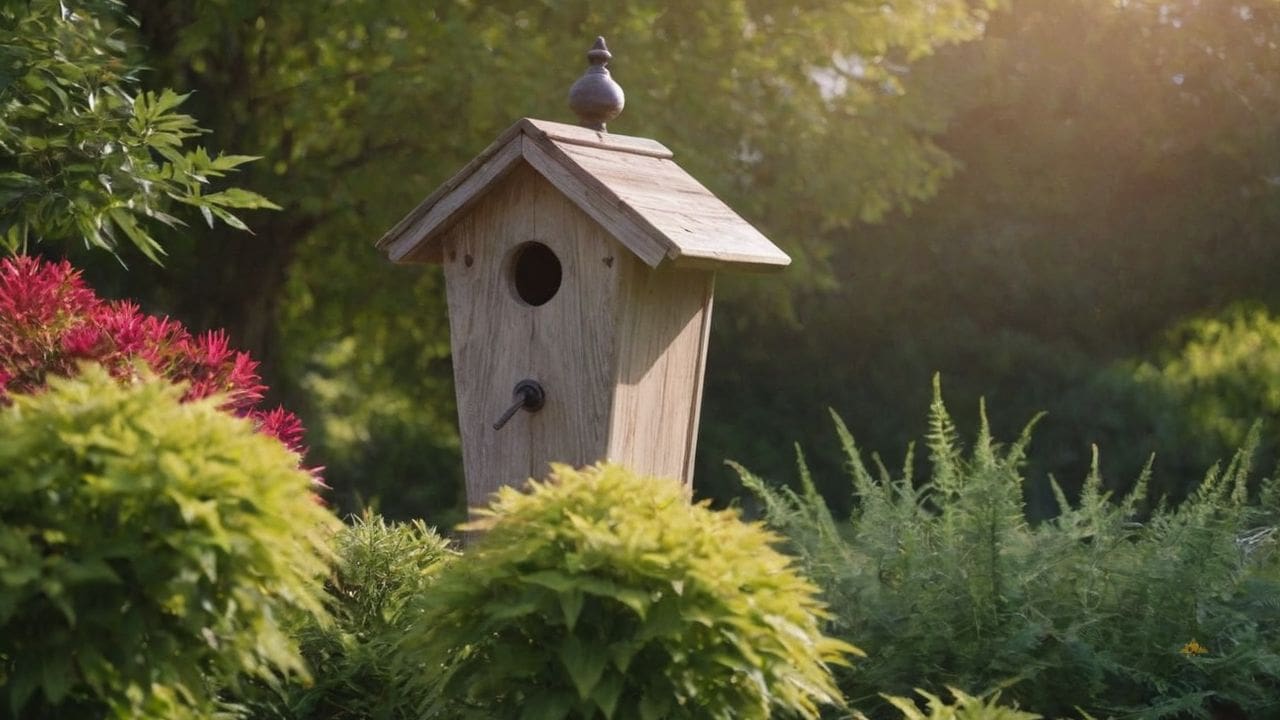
<point>579,268</point>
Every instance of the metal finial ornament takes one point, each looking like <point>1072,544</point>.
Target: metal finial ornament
<point>595,97</point>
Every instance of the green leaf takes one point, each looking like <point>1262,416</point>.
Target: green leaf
<point>238,198</point>
<point>506,610</point>
<point>637,599</point>
<point>556,580</point>
<point>585,663</point>
<point>230,162</point>
<point>664,619</point>
<point>625,540</point>
<point>227,218</point>
<point>571,606</point>
<point>141,239</point>
<point>93,465</point>
<point>622,651</point>
<point>607,692</point>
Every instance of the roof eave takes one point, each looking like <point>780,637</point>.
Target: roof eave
<point>753,263</point>
<point>411,239</point>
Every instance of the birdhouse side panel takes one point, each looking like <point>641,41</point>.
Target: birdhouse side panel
<point>532,288</point>
<point>662,354</point>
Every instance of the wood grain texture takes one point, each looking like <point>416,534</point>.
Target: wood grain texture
<point>578,135</point>
<point>597,201</point>
<point>568,344</point>
<point>704,347</point>
<point>695,223</point>
<point>662,340</point>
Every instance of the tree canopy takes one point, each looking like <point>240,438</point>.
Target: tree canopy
<point>1024,195</point>
<point>361,108</point>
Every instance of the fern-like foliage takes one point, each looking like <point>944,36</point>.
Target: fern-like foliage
<point>382,568</point>
<point>1112,609</point>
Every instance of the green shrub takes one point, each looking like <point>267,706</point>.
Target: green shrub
<point>1224,373</point>
<point>1109,608</point>
<point>599,593</point>
<point>381,568</point>
<point>148,549</point>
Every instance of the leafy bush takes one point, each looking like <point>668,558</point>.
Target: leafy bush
<point>1224,372</point>
<point>599,593</point>
<point>86,154</point>
<point>51,324</point>
<point>1107,608</point>
<point>148,550</point>
<point>381,568</point>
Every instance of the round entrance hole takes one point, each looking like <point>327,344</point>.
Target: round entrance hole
<point>535,273</point>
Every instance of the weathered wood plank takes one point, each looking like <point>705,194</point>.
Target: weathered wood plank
<point>597,200</point>
<point>704,346</point>
<point>697,225</point>
<point>661,351</point>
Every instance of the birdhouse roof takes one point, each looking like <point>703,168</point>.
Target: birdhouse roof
<point>629,185</point>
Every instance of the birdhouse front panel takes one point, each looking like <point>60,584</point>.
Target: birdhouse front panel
<point>532,287</point>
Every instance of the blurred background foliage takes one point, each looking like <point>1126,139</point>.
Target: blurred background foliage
<point>1052,202</point>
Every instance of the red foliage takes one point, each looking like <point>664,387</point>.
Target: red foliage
<point>50,323</point>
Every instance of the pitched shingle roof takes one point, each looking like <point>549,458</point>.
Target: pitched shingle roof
<point>631,186</point>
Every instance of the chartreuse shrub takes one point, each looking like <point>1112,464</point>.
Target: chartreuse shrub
<point>148,551</point>
<point>381,569</point>
<point>1111,609</point>
<point>602,594</point>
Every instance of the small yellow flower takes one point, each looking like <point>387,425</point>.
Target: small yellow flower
<point>1194,648</point>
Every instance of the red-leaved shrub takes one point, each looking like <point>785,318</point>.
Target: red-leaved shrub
<point>50,323</point>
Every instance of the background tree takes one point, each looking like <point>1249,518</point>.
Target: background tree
<point>361,108</point>
<point>85,154</point>
<point>1117,173</point>
<point>1111,173</point>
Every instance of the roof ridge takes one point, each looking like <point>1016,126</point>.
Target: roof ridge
<point>578,135</point>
